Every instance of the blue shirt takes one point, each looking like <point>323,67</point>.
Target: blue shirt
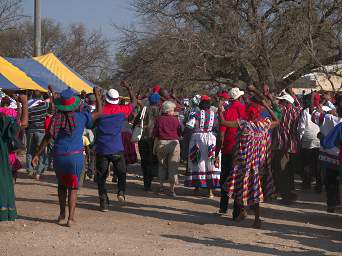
<point>65,143</point>
<point>108,134</point>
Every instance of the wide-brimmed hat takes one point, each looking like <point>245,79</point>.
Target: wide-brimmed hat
<point>235,93</point>
<point>113,96</point>
<point>67,101</point>
<point>287,97</point>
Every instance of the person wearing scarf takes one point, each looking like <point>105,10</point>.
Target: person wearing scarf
<point>66,129</point>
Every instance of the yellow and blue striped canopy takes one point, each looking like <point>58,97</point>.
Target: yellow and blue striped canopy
<point>40,72</point>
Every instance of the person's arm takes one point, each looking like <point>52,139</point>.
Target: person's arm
<point>19,110</point>
<point>131,93</point>
<point>222,131</point>
<point>173,96</point>
<point>302,125</point>
<point>156,129</point>
<point>293,95</point>
<point>275,120</point>
<point>52,96</point>
<point>229,124</point>
<point>42,146</point>
<point>98,112</point>
<point>24,111</point>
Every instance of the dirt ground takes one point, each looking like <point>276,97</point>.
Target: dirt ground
<point>152,224</point>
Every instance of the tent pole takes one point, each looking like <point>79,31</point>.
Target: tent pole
<point>37,28</point>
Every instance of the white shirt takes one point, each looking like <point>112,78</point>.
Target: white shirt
<point>327,123</point>
<point>308,131</point>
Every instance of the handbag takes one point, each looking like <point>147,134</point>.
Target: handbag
<point>138,129</point>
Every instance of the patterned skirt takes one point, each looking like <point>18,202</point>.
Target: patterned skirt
<point>244,186</point>
<point>202,172</point>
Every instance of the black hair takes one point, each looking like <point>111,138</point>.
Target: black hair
<point>204,105</point>
<point>6,101</point>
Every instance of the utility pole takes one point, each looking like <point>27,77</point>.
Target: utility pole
<point>37,29</point>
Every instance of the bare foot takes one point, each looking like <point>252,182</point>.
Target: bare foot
<point>70,223</point>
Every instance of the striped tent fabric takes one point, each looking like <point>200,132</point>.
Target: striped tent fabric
<point>39,72</point>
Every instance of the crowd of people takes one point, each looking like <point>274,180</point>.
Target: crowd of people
<point>249,144</point>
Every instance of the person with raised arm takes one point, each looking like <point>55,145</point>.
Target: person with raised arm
<point>66,129</point>
<point>109,146</point>
<point>244,183</point>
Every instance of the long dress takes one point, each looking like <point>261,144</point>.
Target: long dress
<point>129,146</point>
<point>8,131</point>
<point>13,159</point>
<point>201,172</point>
<point>250,180</point>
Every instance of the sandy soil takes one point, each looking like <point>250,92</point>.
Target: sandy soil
<point>152,224</point>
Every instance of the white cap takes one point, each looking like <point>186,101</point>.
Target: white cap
<point>287,97</point>
<point>235,93</point>
<point>326,108</point>
<point>112,96</point>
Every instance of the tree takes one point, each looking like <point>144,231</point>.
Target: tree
<point>88,52</point>
<point>235,42</point>
<point>10,14</point>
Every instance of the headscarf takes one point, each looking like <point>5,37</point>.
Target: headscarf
<point>253,111</point>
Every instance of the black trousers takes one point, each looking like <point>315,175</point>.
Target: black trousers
<point>102,166</point>
<point>149,162</point>
<point>284,166</point>
<point>332,187</point>
<point>226,167</point>
<point>310,166</point>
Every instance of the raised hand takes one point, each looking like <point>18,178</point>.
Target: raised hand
<point>35,161</point>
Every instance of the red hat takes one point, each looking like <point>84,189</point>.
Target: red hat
<point>224,95</point>
<point>205,98</point>
<point>156,88</point>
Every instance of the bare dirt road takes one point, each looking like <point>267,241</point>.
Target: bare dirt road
<point>152,224</point>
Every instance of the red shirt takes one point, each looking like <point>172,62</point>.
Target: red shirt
<point>167,128</point>
<point>113,109</point>
<point>236,111</point>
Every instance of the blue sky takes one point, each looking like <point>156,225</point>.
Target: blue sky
<point>95,14</point>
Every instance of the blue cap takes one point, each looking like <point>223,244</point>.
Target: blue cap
<point>154,98</point>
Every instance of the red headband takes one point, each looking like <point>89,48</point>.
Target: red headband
<point>68,102</point>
